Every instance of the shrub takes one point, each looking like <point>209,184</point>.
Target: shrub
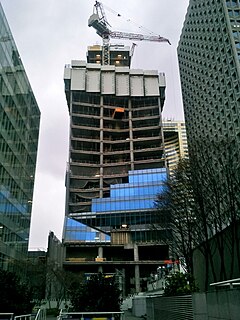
<point>98,293</point>
<point>15,296</point>
<point>180,284</point>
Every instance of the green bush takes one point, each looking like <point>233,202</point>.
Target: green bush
<point>180,284</point>
<point>53,312</point>
<point>16,297</point>
<point>99,293</point>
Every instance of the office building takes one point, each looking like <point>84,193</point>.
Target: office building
<point>209,61</point>
<point>19,128</point>
<point>116,168</point>
<point>175,142</point>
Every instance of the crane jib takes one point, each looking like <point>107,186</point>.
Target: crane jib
<point>99,22</point>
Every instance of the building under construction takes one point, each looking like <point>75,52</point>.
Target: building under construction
<point>116,168</point>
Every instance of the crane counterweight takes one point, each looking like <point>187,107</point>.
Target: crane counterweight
<point>98,25</point>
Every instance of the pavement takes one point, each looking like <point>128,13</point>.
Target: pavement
<point>129,316</point>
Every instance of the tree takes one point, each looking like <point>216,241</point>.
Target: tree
<point>15,296</point>
<point>215,173</point>
<point>179,284</point>
<point>46,279</point>
<point>98,293</point>
<point>32,272</point>
<point>201,199</point>
<point>176,211</point>
<point>59,282</point>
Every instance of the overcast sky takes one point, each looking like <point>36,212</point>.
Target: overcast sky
<point>51,33</point>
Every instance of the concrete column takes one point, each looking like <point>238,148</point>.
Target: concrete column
<point>135,252</point>
<point>100,255</point>
<point>162,136</point>
<point>131,133</point>
<point>137,271</point>
<point>100,252</point>
<point>101,148</point>
<point>123,283</point>
<point>137,278</point>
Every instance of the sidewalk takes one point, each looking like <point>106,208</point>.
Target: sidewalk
<point>129,316</point>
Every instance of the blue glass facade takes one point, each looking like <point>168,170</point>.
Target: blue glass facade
<point>138,194</point>
<point>76,231</point>
<point>129,203</point>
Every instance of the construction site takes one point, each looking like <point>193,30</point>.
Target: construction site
<point>117,163</point>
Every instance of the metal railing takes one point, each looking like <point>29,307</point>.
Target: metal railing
<point>231,283</point>
<point>41,314</point>
<point>6,316</point>
<point>91,315</point>
<point>23,317</point>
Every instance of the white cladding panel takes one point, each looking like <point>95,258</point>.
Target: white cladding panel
<point>111,80</point>
<point>93,80</point>
<point>67,73</point>
<point>122,84</point>
<point>136,84</point>
<point>78,79</point>
<point>108,82</point>
<point>151,86</point>
<point>150,72</point>
<point>78,63</point>
<point>162,80</point>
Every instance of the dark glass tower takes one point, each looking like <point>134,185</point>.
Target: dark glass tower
<point>19,128</point>
<point>116,168</point>
<point>209,60</point>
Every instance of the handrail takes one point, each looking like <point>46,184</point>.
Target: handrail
<point>9,316</point>
<point>231,283</point>
<point>41,314</point>
<point>70,315</point>
<point>23,317</point>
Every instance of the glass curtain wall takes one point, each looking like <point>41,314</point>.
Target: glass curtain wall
<point>130,205</point>
<point>19,128</point>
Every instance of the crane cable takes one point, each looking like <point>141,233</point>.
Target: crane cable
<point>129,20</point>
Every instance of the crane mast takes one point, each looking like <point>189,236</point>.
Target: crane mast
<point>99,22</point>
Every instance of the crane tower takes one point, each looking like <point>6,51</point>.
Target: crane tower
<point>99,22</point>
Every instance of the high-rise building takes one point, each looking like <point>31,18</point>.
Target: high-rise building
<point>175,142</point>
<point>19,128</point>
<point>209,61</point>
<point>116,169</point>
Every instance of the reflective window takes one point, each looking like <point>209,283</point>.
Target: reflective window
<point>139,193</point>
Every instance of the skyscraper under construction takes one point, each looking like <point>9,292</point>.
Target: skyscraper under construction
<point>116,166</point>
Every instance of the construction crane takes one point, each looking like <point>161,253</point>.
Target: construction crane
<point>99,22</point>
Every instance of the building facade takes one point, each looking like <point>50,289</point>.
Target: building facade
<point>175,142</point>
<point>209,61</point>
<point>116,169</point>
<point>19,128</point>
